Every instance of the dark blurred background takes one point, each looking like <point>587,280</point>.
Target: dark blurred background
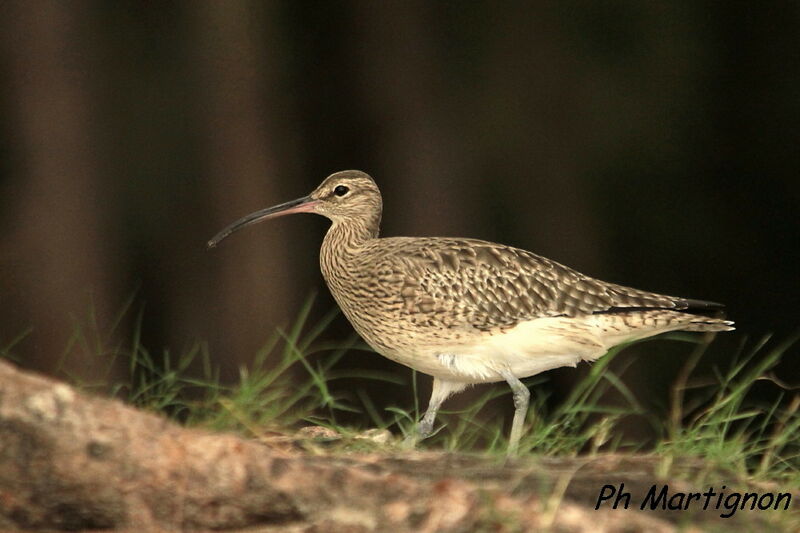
<point>653,144</point>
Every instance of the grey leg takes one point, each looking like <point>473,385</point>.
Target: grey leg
<point>521,400</point>
<point>441,391</point>
<point>425,427</point>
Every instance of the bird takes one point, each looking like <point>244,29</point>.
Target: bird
<point>468,311</point>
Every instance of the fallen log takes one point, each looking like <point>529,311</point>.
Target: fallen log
<point>75,461</point>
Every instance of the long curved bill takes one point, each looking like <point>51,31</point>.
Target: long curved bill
<point>301,205</point>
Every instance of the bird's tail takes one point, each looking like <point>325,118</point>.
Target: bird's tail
<point>706,323</point>
<point>617,328</point>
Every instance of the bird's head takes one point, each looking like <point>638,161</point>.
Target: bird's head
<point>347,196</point>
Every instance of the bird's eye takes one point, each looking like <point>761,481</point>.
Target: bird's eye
<point>340,190</point>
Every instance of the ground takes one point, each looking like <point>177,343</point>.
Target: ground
<point>73,461</point>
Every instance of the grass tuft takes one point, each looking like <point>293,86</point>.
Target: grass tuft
<point>731,431</point>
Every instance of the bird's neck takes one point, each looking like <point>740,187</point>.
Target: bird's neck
<point>351,233</point>
<point>343,240</point>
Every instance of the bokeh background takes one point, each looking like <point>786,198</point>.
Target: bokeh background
<point>653,144</point>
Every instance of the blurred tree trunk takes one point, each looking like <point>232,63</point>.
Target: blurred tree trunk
<point>530,73</point>
<point>402,85</point>
<point>58,258</point>
<point>425,191</point>
<point>244,143</point>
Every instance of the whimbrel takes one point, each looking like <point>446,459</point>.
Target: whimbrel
<point>467,311</point>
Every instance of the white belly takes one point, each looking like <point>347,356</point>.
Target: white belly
<point>525,350</point>
<point>537,346</point>
<point>529,348</point>
<point>470,368</point>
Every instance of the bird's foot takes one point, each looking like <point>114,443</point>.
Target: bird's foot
<point>422,431</point>
<point>410,442</point>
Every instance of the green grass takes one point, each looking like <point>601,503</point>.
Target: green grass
<point>727,430</point>
<point>7,349</point>
<point>283,385</point>
<point>293,381</point>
